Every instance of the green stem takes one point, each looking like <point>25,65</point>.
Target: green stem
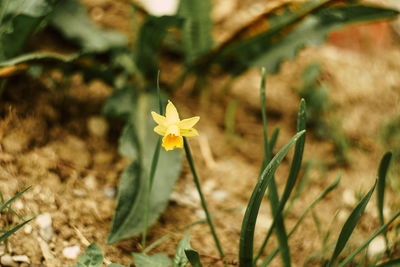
<point>203,202</point>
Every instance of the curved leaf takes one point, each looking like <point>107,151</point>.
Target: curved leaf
<point>93,257</point>
<point>156,260</point>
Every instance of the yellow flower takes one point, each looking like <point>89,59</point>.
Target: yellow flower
<point>172,128</point>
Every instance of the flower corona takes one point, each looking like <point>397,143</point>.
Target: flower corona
<point>172,128</point>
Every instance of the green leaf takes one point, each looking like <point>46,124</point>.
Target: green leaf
<point>121,103</point>
<point>156,260</point>
<point>115,265</point>
<point>180,259</point>
<point>308,24</point>
<point>251,214</point>
<point>131,201</point>
<point>72,20</point>
<point>19,20</point>
<point>194,257</point>
<point>3,206</point>
<point>197,28</point>
<point>350,224</point>
<point>365,244</point>
<point>93,257</point>
<point>12,231</point>
<point>151,33</point>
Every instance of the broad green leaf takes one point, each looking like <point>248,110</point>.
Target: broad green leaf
<point>131,201</point>
<point>180,259</point>
<point>194,257</point>
<point>308,24</point>
<point>197,27</point>
<point>156,260</point>
<point>12,231</point>
<point>72,20</point>
<point>115,265</point>
<point>19,19</point>
<point>121,103</point>
<point>147,48</point>
<point>93,257</point>
<point>251,214</point>
<point>349,225</point>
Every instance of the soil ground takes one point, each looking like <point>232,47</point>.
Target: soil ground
<point>58,142</point>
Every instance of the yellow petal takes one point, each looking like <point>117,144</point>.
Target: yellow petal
<point>173,130</point>
<point>171,113</point>
<point>171,141</point>
<point>160,129</point>
<point>188,123</point>
<point>158,118</point>
<point>189,132</point>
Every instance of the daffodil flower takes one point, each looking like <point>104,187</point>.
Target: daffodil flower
<point>172,128</point>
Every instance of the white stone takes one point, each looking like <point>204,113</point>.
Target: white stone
<point>376,247</point>
<point>71,252</point>
<point>90,181</point>
<point>348,198</point>
<point>110,192</point>
<point>28,229</point>
<point>7,260</point>
<point>160,7</point>
<point>219,195</point>
<point>21,258</point>
<point>44,220</point>
<point>97,126</point>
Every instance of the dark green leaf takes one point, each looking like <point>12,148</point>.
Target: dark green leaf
<point>194,257</point>
<point>72,20</point>
<point>180,259</point>
<point>292,31</point>
<point>196,32</point>
<point>250,217</point>
<point>156,260</point>
<point>3,206</point>
<point>93,257</point>
<point>383,168</point>
<point>151,33</point>
<point>12,231</point>
<point>128,219</point>
<point>350,224</point>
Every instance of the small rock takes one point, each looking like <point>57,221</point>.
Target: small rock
<point>28,229</point>
<point>376,247</point>
<point>97,126</point>
<point>7,260</point>
<point>219,195</point>
<point>90,181</point>
<point>348,198</point>
<point>79,192</point>
<point>343,215</point>
<point>21,258</point>
<point>200,214</point>
<point>44,222</point>
<point>18,204</point>
<point>110,192</point>
<point>16,142</point>
<point>71,252</point>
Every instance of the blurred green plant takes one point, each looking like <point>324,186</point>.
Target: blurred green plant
<point>104,54</point>
<point>9,226</point>
<point>322,120</point>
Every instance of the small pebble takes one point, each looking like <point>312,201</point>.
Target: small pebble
<point>97,126</point>
<point>90,181</point>
<point>219,195</point>
<point>79,192</point>
<point>2,249</point>
<point>71,252</point>
<point>7,260</point>
<point>110,192</point>
<point>28,229</point>
<point>200,214</point>
<point>21,258</point>
<point>376,247</point>
<point>44,222</point>
<point>348,198</point>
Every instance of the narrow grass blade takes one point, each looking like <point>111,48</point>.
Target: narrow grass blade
<point>267,151</point>
<point>10,232</point>
<point>193,257</point>
<point>383,168</point>
<point>350,224</point>
<point>365,244</point>
<point>274,138</point>
<point>391,263</point>
<point>13,198</point>
<point>270,257</point>
<point>250,217</point>
<point>291,181</point>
